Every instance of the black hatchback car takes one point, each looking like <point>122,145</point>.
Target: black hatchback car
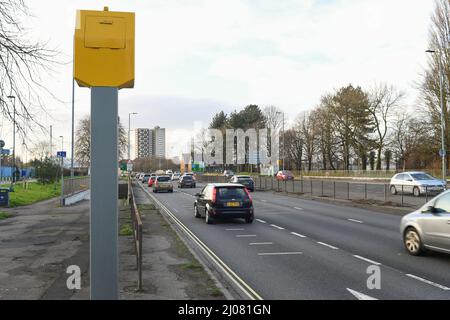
<point>186,181</point>
<point>224,201</point>
<point>246,181</point>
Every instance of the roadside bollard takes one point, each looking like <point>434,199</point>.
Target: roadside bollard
<point>334,189</point>
<point>348,190</point>
<point>402,195</point>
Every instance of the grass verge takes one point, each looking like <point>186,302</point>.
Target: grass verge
<point>4,215</point>
<point>34,193</point>
<point>126,230</point>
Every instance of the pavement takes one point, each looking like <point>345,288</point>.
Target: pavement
<point>39,242</point>
<point>305,249</point>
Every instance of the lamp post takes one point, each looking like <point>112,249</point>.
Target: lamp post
<point>282,155</point>
<point>129,130</point>
<point>441,84</point>
<point>14,142</point>
<point>62,171</point>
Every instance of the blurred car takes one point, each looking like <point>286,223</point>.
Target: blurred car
<point>152,179</point>
<point>246,181</point>
<point>224,201</point>
<point>284,175</point>
<point>186,181</point>
<point>162,183</point>
<point>429,227</point>
<point>175,176</point>
<point>190,174</point>
<point>228,173</point>
<point>416,183</point>
<point>140,176</point>
<point>169,172</point>
<point>146,177</point>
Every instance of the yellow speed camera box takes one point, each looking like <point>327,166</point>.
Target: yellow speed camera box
<point>104,49</point>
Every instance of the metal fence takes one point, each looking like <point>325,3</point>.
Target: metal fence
<point>72,186</point>
<point>356,191</point>
<point>137,231</point>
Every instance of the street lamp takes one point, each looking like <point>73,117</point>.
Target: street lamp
<point>442,79</point>
<point>62,171</point>
<point>14,141</point>
<point>278,112</point>
<point>129,129</point>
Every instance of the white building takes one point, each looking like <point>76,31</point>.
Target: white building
<point>150,143</point>
<point>159,142</point>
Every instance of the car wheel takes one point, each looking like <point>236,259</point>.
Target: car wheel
<point>413,243</point>
<point>208,219</point>
<point>249,220</point>
<point>196,213</point>
<point>416,192</point>
<point>393,190</point>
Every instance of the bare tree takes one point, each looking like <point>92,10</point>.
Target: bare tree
<point>83,141</point>
<point>384,100</point>
<point>41,150</point>
<point>22,62</point>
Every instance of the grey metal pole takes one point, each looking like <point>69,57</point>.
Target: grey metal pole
<point>62,172</point>
<point>442,83</point>
<point>284,142</point>
<point>104,259</point>
<point>129,126</point>
<point>51,141</point>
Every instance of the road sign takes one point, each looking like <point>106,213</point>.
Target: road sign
<point>61,154</point>
<point>2,143</point>
<point>6,152</point>
<point>130,166</point>
<point>441,153</point>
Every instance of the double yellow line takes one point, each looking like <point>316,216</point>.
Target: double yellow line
<point>241,284</point>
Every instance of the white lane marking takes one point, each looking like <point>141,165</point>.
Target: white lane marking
<point>263,200</point>
<point>353,220</point>
<point>245,235</point>
<point>328,245</point>
<point>175,209</point>
<point>367,260</point>
<point>262,221</point>
<point>278,227</point>
<point>360,296</point>
<point>234,229</point>
<point>261,243</point>
<point>437,285</point>
<point>279,253</point>
<point>297,208</point>
<point>298,235</point>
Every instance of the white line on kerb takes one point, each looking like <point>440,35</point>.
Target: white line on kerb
<point>262,221</point>
<point>261,243</point>
<point>297,208</point>
<point>279,253</point>
<point>278,227</point>
<point>357,221</point>
<point>298,235</point>
<point>245,235</point>
<point>437,285</point>
<point>328,245</point>
<point>367,260</point>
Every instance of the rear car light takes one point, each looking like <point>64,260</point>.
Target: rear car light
<point>249,195</point>
<point>214,195</point>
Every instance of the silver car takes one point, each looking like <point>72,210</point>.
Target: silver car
<point>428,227</point>
<point>416,183</point>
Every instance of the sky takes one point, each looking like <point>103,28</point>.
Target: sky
<point>197,57</point>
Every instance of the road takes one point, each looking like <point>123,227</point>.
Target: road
<point>302,249</point>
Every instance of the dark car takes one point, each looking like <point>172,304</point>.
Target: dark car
<point>224,201</point>
<point>246,181</point>
<point>186,181</point>
<point>284,175</point>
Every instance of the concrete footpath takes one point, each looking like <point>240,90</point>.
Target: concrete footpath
<point>39,242</point>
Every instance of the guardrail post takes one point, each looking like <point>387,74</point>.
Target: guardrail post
<point>365,191</point>
<point>348,190</point>
<point>402,195</point>
<point>385,192</point>
<point>311,186</point>
<point>322,188</point>
<point>334,189</point>
<point>301,185</point>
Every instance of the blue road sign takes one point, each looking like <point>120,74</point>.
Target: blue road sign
<point>441,153</point>
<point>61,154</point>
<point>6,152</point>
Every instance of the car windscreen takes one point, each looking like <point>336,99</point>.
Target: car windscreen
<point>187,178</point>
<point>244,179</point>
<point>226,193</point>
<point>422,176</point>
<point>163,179</point>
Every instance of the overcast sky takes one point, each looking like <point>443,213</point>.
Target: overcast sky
<point>197,57</point>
